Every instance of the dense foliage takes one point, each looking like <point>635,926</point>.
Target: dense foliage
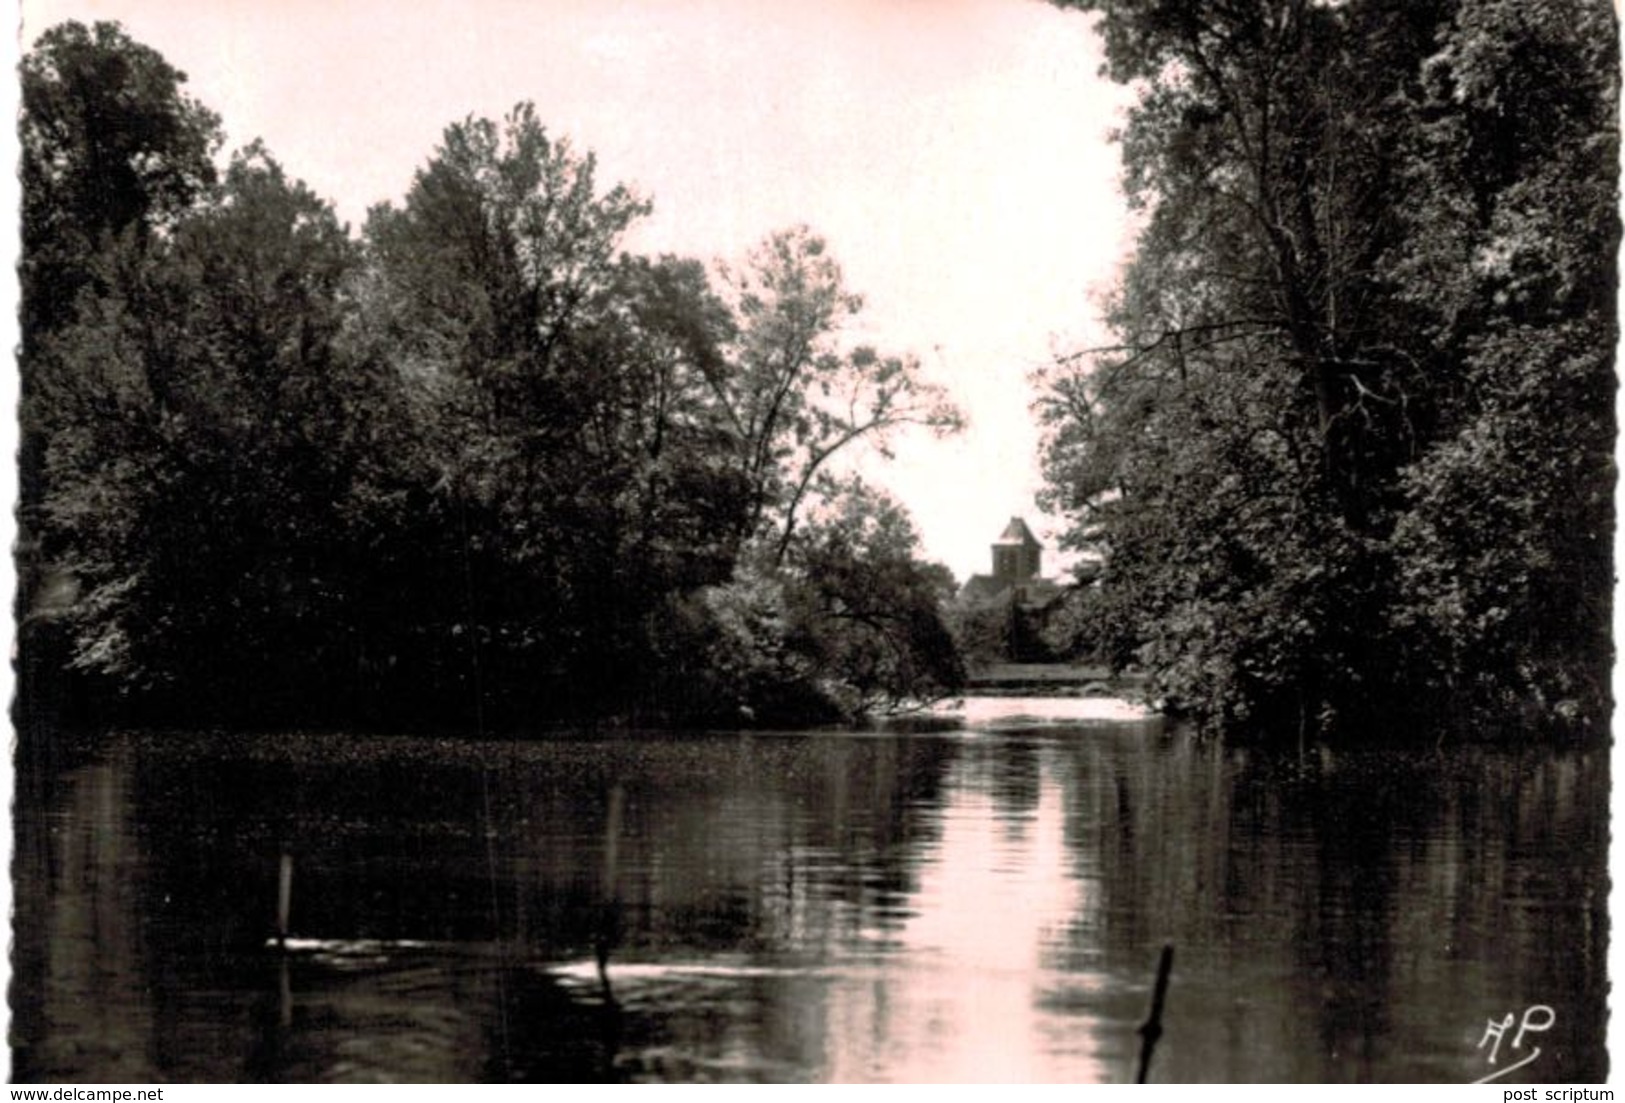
<point>1350,465</point>
<point>476,465</point>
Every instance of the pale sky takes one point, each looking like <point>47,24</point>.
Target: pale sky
<point>954,153</point>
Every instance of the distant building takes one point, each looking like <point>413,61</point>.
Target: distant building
<point>1017,561</point>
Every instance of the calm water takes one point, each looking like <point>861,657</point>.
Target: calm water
<point>978,904</point>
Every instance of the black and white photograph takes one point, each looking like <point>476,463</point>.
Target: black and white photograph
<point>813,542</point>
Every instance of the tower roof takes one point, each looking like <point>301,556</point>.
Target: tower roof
<point>1017,533</point>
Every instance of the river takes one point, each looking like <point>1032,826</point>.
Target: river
<point>983,903</point>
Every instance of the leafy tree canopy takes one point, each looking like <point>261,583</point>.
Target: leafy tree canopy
<point>479,466</point>
<point>1350,461</point>
<point>109,143</point>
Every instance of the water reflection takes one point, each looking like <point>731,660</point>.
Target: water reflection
<point>977,905</point>
<point>978,994</point>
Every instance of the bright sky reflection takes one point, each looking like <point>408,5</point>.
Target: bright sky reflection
<point>965,1000</point>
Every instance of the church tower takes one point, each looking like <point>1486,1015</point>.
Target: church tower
<point>1016,554</point>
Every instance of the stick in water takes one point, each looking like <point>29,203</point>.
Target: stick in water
<point>610,904</point>
<point>284,898</point>
<point>1152,1030</point>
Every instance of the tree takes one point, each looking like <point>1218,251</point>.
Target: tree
<point>851,621</point>
<point>112,150</point>
<point>866,609</point>
<point>1504,542</point>
<point>1232,456</point>
<point>198,450</point>
<point>827,617</point>
<point>1304,334</point>
<point>568,465</point>
<point>797,397</point>
<point>109,144</point>
<point>480,465</point>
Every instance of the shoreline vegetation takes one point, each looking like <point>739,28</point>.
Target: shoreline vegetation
<point>1346,469</point>
<point>471,465</point>
<point>1347,458</point>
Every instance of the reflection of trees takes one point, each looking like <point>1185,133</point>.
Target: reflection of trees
<point>1344,937</point>
<point>762,847</point>
<point>1451,893</point>
<point>81,987</point>
<point>1515,876</point>
<point>1352,916</point>
<point>799,849</point>
<point>497,844</point>
<point>1016,769</point>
